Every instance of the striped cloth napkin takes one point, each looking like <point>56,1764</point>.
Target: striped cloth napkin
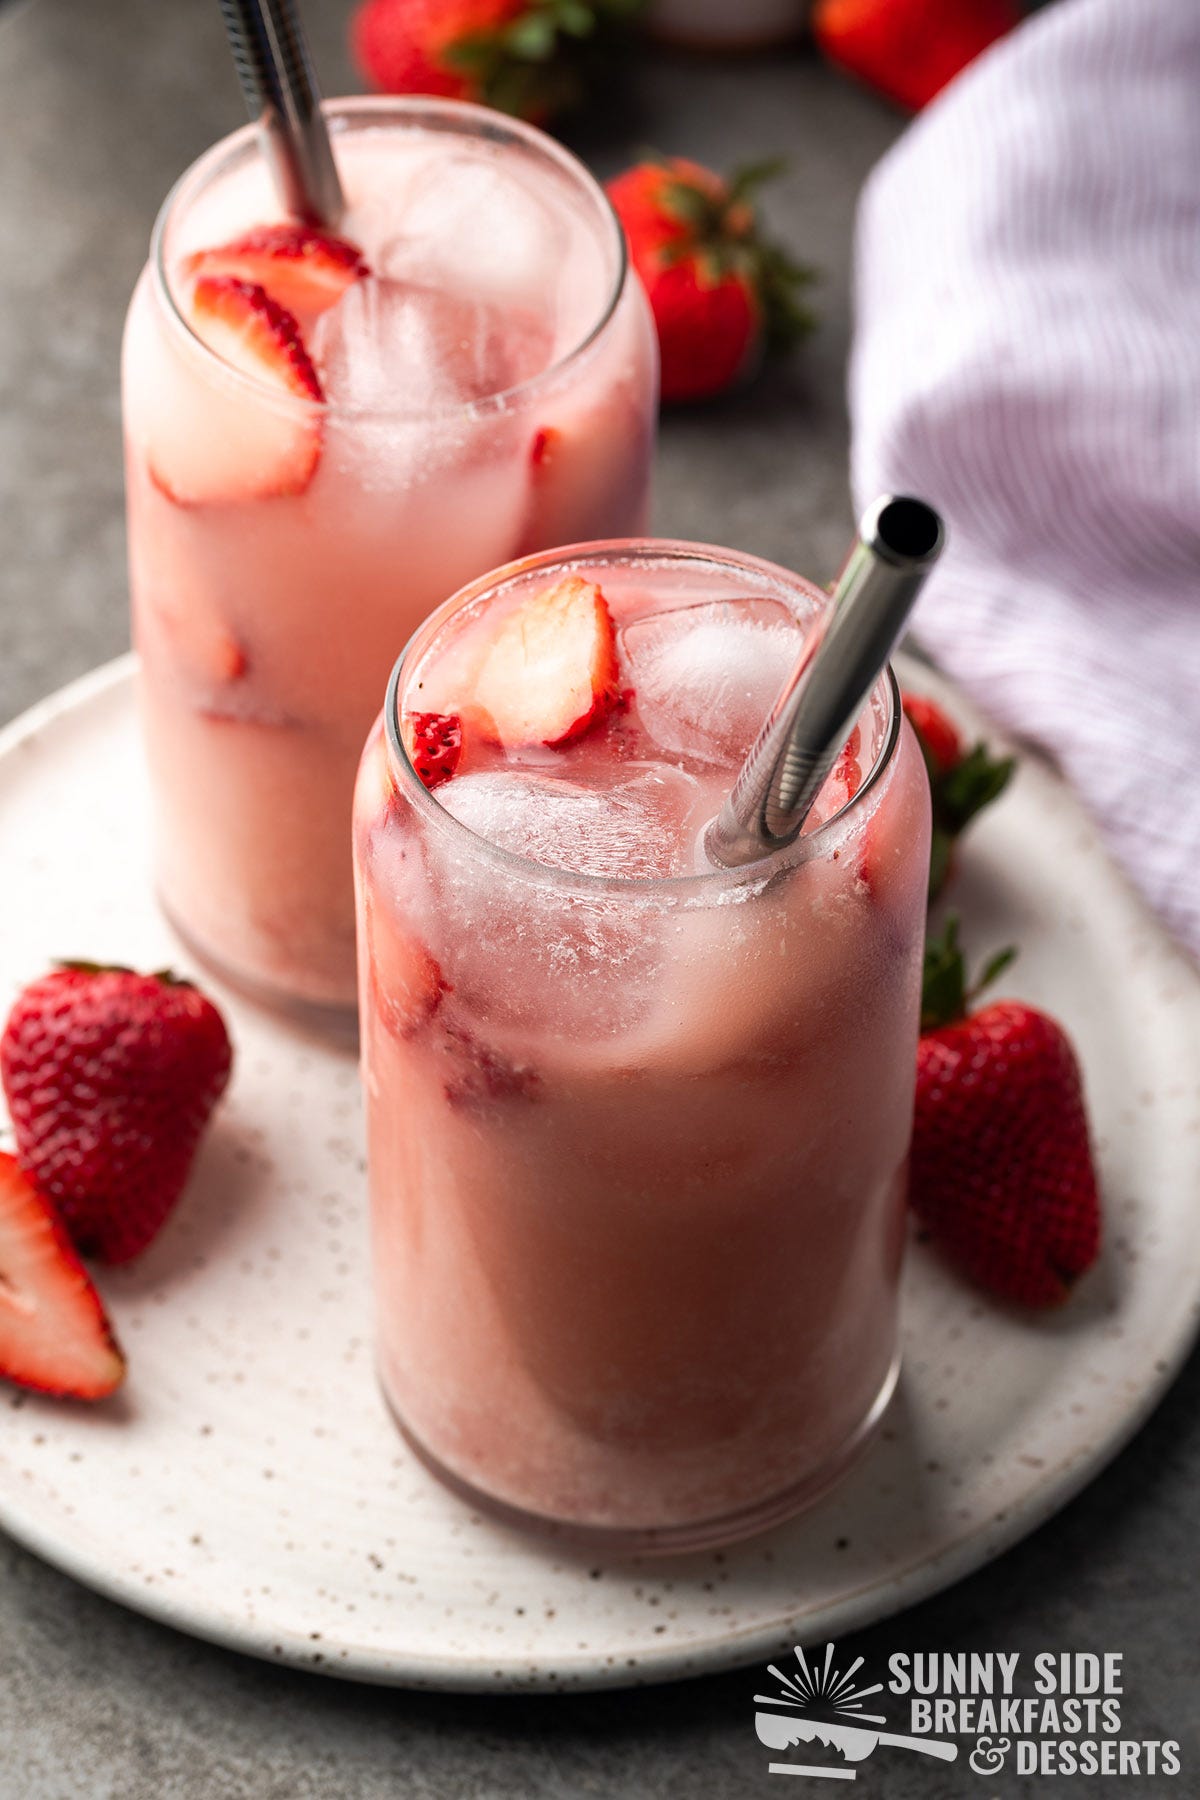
<point>1028,358</point>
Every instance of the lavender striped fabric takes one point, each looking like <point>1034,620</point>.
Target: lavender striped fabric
<point>1028,357</point>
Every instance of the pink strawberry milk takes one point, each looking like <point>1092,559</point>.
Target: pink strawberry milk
<point>638,1128</point>
<point>326,435</point>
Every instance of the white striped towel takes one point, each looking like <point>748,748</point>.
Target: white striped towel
<point>1028,358</point>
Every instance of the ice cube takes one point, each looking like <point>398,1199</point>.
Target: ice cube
<point>705,676</point>
<point>640,826</point>
<point>475,226</point>
<point>402,347</point>
<point>521,952</point>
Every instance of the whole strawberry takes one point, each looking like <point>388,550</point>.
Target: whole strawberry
<point>111,1077</point>
<point>1001,1169</point>
<point>961,782</point>
<point>720,293</point>
<point>528,57</point>
<point>909,49</point>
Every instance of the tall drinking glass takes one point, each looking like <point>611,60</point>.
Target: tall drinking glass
<point>637,1133</point>
<point>485,386</point>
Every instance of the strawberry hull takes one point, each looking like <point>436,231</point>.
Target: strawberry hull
<point>283,545</point>
<point>638,1179</point>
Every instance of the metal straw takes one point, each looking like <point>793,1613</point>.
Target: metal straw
<point>898,542</point>
<point>274,68</point>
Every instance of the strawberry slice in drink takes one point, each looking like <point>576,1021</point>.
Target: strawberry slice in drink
<point>841,786</point>
<point>303,269</point>
<point>54,1335</point>
<point>587,476</point>
<point>434,742</point>
<point>406,980</point>
<point>479,1076</point>
<point>221,441</point>
<point>550,672</point>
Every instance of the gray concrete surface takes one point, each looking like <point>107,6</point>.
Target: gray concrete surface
<point>102,105</point>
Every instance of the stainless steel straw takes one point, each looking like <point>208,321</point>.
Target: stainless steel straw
<point>276,74</point>
<point>898,542</point>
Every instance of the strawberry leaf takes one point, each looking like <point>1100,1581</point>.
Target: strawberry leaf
<point>724,236</point>
<point>994,967</point>
<point>944,992</point>
<point>547,58</point>
<point>971,785</point>
<point>943,980</point>
<point>744,181</point>
<point>533,38</point>
<point>575,19</point>
<point>941,849</point>
<point>779,280</point>
<point>958,795</point>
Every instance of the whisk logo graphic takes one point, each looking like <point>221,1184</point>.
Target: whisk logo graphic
<point>821,1704</point>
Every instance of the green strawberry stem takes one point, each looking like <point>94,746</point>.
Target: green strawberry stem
<point>958,794</point>
<point>723,231</point>
<point>945,996</point>
<point>545,59</point>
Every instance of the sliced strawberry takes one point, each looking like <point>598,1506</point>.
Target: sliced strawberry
<point>203,643</point>
<point>551,671</point>
<point>54,1335</point>
<point>544,450</point>
<point>209,444</point>
<point>434,742</point>
<point>481,1075</point>
<point>408,982</point>
<point>588,476</point>
<point>842,782</point>
<point>303,269</point>
<point>242,323</point>
<point>847,771</point>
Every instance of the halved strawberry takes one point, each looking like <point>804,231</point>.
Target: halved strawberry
<point>210,444</point>
<point>54,1335</point>
<point>434,742</point>
<point>551,671</point>
<point>303,269</point>
<point>247,328</point>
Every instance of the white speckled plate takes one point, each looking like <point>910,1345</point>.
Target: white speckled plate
<point>247,1486</point>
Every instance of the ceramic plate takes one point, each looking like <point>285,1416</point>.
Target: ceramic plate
<point>248,1487</point>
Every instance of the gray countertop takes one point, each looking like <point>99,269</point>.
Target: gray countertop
<point>104,102</point>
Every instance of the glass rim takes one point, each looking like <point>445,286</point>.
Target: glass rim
<point>459,117</point>
<point>570,559</point>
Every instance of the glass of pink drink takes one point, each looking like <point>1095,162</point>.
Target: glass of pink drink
<point>637,1128</point>
<point>326,436</point>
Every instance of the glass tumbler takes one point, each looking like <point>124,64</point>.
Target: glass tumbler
<point>637,1147</point>
<point>487,389</point>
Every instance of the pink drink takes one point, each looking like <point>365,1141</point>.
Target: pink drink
<point>488,389</point>
<point>637,1135</point>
